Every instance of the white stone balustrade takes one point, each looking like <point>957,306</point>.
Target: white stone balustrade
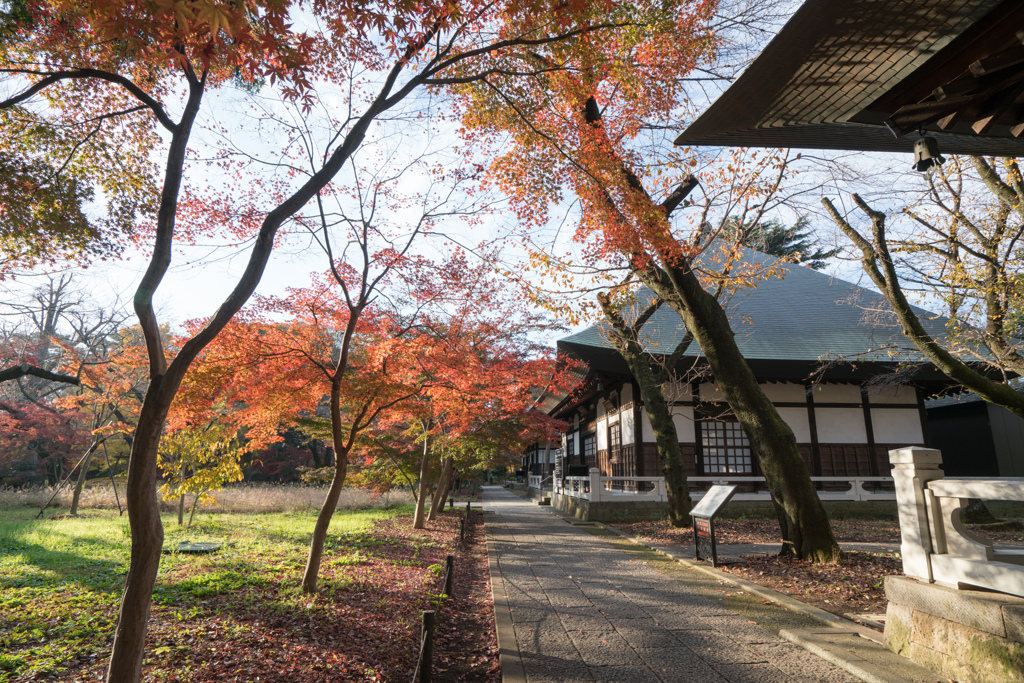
<point>935,544</point>
<point>628,488</point>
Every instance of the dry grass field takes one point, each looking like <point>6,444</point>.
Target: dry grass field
<point>242,498</point>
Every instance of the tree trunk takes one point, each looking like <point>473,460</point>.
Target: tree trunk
<point>672,465</point>
<point>669,453</point>
<point>450,488</point>
<point>421,499</point>
<point>323,520</point>
<point>147,535</point>
<point>181,510</point>
<point>80,484</point>
<point>805,527</point>
<point>437,503</point>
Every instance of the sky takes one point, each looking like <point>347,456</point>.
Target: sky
<point>201,276</point>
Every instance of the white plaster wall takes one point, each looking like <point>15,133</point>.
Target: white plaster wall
<point>576,445</point>
<point>600,410</point>
<point>798,421</point>
<point>709,391</point>
<point>602,434</point>
<point>896,426</point>
<point>626,393</point>
<point>682,416</point>
<point>613,418</point>
<point>645,424</point>
<point>897,394</point>
<point>676,391</point>
<point>784,392</point>
<point>628,431</point>
<point>840,425</point>
<point>837,393</point>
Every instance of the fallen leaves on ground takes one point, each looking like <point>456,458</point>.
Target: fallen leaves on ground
<point>224,618</point>
<point>854,585</point>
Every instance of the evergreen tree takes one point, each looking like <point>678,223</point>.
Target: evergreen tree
<point>790,243</point>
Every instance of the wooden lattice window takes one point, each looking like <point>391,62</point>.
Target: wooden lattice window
<point>726,449</point>
<point>590,450</point>
<point>615,440</point>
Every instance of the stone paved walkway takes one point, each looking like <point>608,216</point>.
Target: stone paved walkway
<point>584,610</point>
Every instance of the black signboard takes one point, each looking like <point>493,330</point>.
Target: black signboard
<point>704,522</point>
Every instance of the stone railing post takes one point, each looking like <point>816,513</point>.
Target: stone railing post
<point>913,468</point>
<point>596,486</point>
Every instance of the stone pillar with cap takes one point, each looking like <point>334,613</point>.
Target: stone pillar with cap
<point>913,468</point>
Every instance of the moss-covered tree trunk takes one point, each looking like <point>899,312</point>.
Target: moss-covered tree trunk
<point>806,530</point>
<point>669,453</point>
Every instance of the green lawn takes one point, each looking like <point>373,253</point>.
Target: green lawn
<point>61,579</point>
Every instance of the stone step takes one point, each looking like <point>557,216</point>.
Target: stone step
<point>865,659</point>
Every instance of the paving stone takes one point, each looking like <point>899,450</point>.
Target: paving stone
<point>568,598</point>
<point>547,669</point>
<point>585,622</point>
<point>645,635</point>
<point>625,674</point>
<point>677,620</point>
<point>752,673</point>
<point>715,647</point>
<point>532,614</point>
<point>604,648</point>
<point>681,664</point>
<point>584,609</point>
<point>742,630</point>
<point>795,662</point>
<point>550,642</point>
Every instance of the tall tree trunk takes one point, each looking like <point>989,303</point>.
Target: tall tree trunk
<point>437,502</point>
<point>147,534</point>
<point>323,520</point>
<point>181,510</point>
<point>806,531</point>
<point>624,339</point>
<point>421,499</point>
<point>449,487</point>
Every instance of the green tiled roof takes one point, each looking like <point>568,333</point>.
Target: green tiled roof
<point>803,316</point>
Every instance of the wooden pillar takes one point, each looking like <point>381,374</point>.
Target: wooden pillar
<point>869,430</point>
<point>812,423</point>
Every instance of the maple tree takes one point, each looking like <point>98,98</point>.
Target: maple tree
<point>582,130</point>
<point>480,371</point>
<point>958,244</point>
<point>198,461</point>
<point>61,345</point>
<point>123,62</point>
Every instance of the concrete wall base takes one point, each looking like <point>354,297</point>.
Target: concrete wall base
<point>624,511</point>
<point>969,636</point>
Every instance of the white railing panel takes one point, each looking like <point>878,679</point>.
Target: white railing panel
<point>936,546</point>
<point>654,488</point>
